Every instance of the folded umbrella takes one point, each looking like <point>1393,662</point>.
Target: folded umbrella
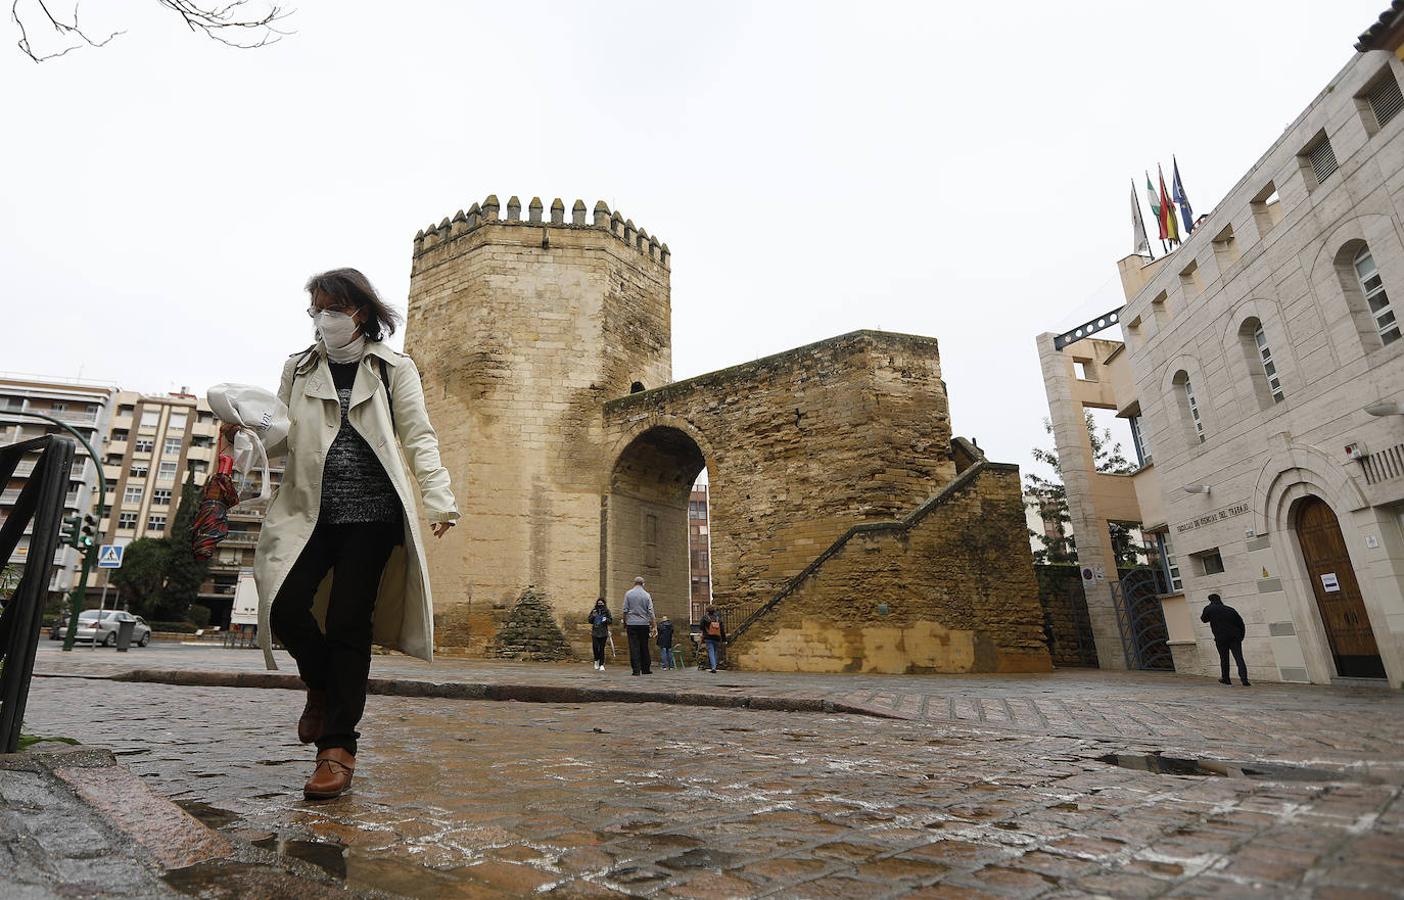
<point>211,523</point>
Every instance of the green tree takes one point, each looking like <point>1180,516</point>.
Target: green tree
<point>143,575</point>
<point>1049,498</point>
<point>184,573</point>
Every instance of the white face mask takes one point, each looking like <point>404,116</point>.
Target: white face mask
<point>336,329</point>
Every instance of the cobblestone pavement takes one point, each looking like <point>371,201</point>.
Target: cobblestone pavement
<point>470,798</point>
<point>1181,713</point>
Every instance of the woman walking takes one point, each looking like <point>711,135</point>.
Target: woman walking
<point>599,620</point>
<point>340,558</point>
<point>713,634</point>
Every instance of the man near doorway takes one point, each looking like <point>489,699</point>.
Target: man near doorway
<point>638,621</point>
<point>1228,629</point>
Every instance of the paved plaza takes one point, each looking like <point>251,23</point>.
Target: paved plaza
<point>953,786</point>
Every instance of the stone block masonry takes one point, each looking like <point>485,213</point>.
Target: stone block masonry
<point>545,347</point>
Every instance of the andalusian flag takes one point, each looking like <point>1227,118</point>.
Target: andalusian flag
<point>1168,226</point>
<point>1155,206</point>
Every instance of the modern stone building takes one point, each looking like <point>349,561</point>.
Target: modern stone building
<point>86,406</point>
<point>849,530</point>
<point>1263,376</point>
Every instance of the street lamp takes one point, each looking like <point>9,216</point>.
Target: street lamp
<point>1385,408</point>
<point>1196,488</point>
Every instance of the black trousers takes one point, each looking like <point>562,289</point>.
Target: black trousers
<point>338,661</point>
<point>1236,648</point>
<point>638,649</point>
<point>598,645</point>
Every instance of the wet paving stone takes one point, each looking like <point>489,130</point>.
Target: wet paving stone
<point>580,800</point>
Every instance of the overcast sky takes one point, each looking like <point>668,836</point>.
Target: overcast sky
<point>956,170</point>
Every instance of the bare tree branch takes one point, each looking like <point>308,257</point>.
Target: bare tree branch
<point>229,24</point>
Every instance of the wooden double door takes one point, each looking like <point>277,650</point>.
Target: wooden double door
<point>1337,591</point>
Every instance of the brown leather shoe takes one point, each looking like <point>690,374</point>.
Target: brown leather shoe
<point>332,776</point>
<point>309,726</point>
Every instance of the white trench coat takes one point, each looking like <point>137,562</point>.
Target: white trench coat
<point>404,607</point>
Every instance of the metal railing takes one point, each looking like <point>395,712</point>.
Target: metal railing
<point>40,502</point>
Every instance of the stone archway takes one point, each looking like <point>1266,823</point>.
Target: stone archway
<point>645,527</point>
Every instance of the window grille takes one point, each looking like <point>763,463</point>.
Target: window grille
<point>1385,99</point>
<point>1323,160</point>
<point>1194,411</point>
<point>1269,367</point>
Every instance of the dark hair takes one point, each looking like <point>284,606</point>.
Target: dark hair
<point>348,287</point>
<point>1215,598</point>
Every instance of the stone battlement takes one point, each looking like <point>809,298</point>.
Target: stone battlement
<point>490,212</point>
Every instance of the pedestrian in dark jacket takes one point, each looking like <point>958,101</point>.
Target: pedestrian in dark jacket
<point>713,634</point>
<point>599,620</point>
<point>1228,629</point>
<point>665,643</point>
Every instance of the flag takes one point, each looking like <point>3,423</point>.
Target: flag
<point>1155,206</point>
<point>1178,192</point>
<point>1168,226</point>
<point>1138,226</point>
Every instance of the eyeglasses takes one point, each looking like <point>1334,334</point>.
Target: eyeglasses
<point>313,310</point>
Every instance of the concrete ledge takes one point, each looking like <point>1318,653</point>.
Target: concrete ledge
<point>521,693</point>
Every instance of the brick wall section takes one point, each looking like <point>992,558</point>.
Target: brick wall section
<point>522,331</point>
<point>800,446</point>
<point>957,581</point>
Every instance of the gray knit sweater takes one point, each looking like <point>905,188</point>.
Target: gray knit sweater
<point>355,487</point>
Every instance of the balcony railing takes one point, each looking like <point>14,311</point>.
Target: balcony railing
<point>240,539</point>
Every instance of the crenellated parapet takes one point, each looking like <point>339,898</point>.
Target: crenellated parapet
<point>490,211</point>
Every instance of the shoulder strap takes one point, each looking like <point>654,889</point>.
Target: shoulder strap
<point>389,400</point>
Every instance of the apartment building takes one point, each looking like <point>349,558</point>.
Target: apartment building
<point>86,406</point>
<point>1262,374</point>
<point>699,552</point>
<point>153,442</point>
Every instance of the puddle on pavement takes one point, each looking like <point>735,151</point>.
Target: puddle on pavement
<point>212,816</point>
<point>699,858</point>
<point>330,858</point>
<point>1215,768</point>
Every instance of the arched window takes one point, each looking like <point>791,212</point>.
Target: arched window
<point>1262,368</point>
<point>1189,407</point>
<point>1372,286</point>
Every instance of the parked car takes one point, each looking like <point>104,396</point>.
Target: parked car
<point>101,627</point>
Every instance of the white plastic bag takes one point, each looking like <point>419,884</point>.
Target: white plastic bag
<point>262,420</point>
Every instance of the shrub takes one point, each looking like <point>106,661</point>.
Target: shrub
<point>199,614</point>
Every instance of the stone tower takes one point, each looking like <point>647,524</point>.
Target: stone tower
<point>523,326</point>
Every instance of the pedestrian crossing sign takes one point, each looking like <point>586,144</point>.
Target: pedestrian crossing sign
<point>110,556</point>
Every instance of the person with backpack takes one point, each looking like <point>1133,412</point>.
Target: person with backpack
<point>340,557</point>
<point>713,634</point>
<point>599,620</point>
<point>1229,631</point>
<point>665,644</point>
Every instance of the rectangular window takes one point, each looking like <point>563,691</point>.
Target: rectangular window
<point>144,445</point>
<point>126,520</point>
<point>1194,411</point>
<point>172,447</point>
<point>1269,368</point>
<point>1225,248</point>
<point>1167,559</point>
<point>1372,285</point>
<point>138,470</point>
<point>1320,157</point>
<point>150,418</point>
<point>1189,280</point>
<point>59,406</point>
<point>167,472</point>
<point>1082,369</point>
<point>161,497</point>
<point>176,423</point>
<point>131,495</point>
<point>1140,439</point>
<point>1210,562</point>
<point>1384,99</point>
<point>155,523</point>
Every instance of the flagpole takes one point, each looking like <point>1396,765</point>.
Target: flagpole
<point>1136,199</point>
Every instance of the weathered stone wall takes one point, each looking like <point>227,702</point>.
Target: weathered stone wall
<point>799,447</point>
<point>948,589</point>
<point>522,330</point>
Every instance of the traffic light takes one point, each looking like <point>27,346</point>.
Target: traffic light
<point>72,530</point>
<point>88,534</point>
